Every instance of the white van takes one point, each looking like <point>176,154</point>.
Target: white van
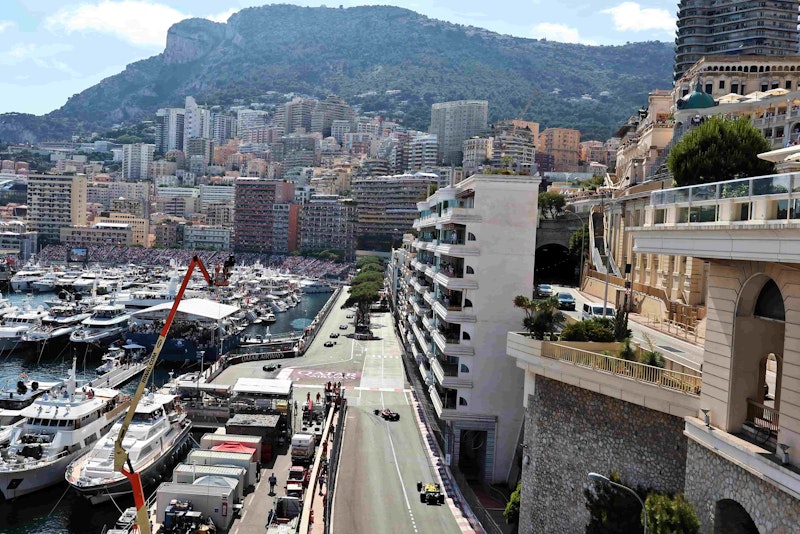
<point>590,310</point>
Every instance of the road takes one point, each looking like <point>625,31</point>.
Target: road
<point>381,460</point>
<point>673,348</point>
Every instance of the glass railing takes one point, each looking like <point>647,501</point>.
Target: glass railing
<point>779,184</point>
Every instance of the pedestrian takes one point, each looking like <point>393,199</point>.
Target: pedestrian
<point>272,482</point>
<point>321,484</point>
<point>258,471</point>
<point>270,516</point>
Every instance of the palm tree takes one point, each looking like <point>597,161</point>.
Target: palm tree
<point>541,316</point>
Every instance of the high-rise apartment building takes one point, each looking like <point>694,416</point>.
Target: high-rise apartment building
<point>387,206</point>
<point>328,222</point>
<point>196,121</point>
<point>295,116</point>
<point>564,144</point>
<point>169,129</point>
<point>250,119</point>
<point>453,122</point>
<point>136,160</point>
<point>746,27</point>
<point>254,226</point>
<point>55,202</point>
<point>474,254</point>
<point>333,108</point>
<point>422,153</point>
<point>198,146</point>
<point>223,128</point>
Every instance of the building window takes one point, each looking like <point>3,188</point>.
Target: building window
<point>734,87</point>
<point>462,401</point>
<point>722,84</point>
<point>709,88</point>
<point>465,336</point>
<point>788,84</point>
<point>464,368</point>
<point>470,236</point>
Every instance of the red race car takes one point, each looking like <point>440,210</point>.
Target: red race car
<point>388,414</point>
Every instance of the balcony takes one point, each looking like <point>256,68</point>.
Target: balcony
<point>419,308</point>
<point>751,218</point>
<point>451,346</point>
<point>459,216</point>
<point>458,249</point>
<point>447,375</point>
<point>428,324</point>
<point>668,391</point>
<point>419,335</point>
<point>444,412</point>
<point>453,314</point>
<point>454,281</point>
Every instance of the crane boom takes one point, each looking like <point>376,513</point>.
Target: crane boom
<point>120,454</point>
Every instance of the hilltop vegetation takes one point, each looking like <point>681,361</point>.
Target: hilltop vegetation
<point>387,60</point>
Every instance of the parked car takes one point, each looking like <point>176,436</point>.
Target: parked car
<point>544,290</point>
<point>566,301</point>
<point>591,310</point>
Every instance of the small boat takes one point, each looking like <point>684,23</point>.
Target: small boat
<point>15,397</point>
<point>17,323</point>
<point>157,436</point>
<point>116,356</point>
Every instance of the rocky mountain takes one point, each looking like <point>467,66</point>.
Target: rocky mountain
<point>388,60</point>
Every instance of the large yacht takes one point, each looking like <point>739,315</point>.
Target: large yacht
<point>23,280</point>
<point>107,322</point>
<point>158,433</point>
<point>57,324</point>
<point>58,426</point>
<point>315,286</point>
<point>17,323</point>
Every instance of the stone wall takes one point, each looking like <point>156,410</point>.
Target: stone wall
<point>570,431</point>
<point>711,478</point>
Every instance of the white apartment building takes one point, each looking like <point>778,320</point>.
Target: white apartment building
<point>474,254</point>
<point>55,202</point>
<point>169,129</point>
<point>196,121</point>
<point>215,193</point>
<point>423,152</point>
<point>453,122</point>
<point>202,237</point>
<point>136,160</point>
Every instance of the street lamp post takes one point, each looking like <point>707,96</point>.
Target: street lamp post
<point>597,477</point>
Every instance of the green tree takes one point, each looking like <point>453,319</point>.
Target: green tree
<point>541,316</point>
<point>670,515</point>
<point>612,510</point>
<point>719,150</point>
<point>651,356</point>
<point>372,268</point>
<point>366,260</point>
<point>551,204</point>
<point>621,330</point>
<point>511,513</point>
<point>575,243</point>
<point>362,295</point>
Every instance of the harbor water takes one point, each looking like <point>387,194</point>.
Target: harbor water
<point>57,510</point>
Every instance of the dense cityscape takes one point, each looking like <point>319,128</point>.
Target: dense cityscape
<point>527,330</point>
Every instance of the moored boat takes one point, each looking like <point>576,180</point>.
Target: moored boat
<point>107,322</point>
<point>58,426</point>
<point>158,434</point>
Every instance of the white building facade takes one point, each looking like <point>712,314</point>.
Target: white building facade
<point>474,254</point>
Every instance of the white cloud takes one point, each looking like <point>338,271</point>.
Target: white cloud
<point>559,32</point>
<point>630,16</point>
<point>222,17</point>
<point>5,24</point>
<point>138,22</point>
<point>28,51</point>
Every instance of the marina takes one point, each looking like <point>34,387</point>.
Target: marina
<point>260,339</point>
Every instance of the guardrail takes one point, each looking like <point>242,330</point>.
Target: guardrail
<point>333,463</point>
<point>687,383</point>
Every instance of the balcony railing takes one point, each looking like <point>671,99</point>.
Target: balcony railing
<point>779,184</point>
<point>762,416</point>
<point>689,384</point>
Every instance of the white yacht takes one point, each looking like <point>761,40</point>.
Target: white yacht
<point>23,280</point>
<point>15,397</point>
<point>58,426</point>
<point>159,432</point>
<point>17,323</point>
<point>315,286</point>
<point>46,283</point>
<point>107,321</point>
<point>58,323</point>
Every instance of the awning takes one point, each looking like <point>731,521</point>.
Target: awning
<point>204,308</point>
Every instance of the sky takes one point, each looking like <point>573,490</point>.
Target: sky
<point>50,50</point>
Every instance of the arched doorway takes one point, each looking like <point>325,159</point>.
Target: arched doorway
<point>730,517</point>
<point>757,362</point>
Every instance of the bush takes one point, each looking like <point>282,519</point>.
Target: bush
<point>627,352</point>
<point>599,329</point>
<point>668,515</point>
<point>651,356</point>
<point>511,513</point>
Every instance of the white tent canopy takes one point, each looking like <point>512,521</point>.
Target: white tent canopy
<point>201,308</point>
